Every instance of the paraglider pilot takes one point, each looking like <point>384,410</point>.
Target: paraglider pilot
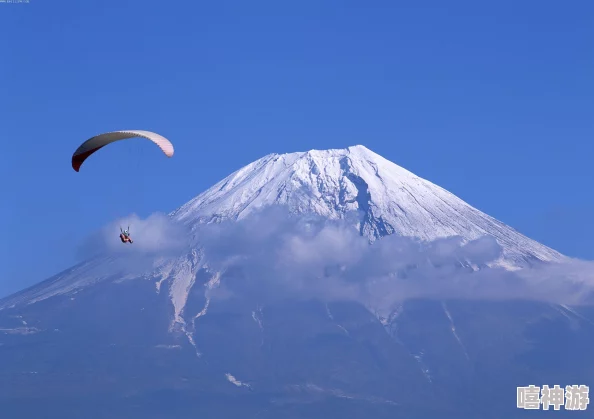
<point>125,235</point>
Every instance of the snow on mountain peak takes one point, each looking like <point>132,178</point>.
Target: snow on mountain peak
<point>331,183</point>
<point>326,182</point>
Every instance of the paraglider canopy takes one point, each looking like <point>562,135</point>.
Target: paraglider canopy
<point>93,144</point>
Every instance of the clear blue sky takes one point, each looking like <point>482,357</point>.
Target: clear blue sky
<point>493,101</point>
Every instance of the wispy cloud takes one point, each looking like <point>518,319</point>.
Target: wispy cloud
<point>272,255</point>
<point>156,235</point>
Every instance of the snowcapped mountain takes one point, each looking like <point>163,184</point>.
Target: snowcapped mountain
<point>332,183</point>
<point>103,339</point>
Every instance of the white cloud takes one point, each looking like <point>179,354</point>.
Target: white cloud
<point>156,235</point>
<point>274,255</point>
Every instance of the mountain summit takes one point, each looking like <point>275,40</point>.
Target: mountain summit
<point>332,183</point>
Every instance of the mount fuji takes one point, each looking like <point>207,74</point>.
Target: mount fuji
<point>106,339</point>
<point>332,183</point>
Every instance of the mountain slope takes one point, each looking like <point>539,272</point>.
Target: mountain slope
<point>105,340</point>
<point>331,183</point>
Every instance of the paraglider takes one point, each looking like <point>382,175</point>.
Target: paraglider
<point>125,235</point>
<point>93,144</point>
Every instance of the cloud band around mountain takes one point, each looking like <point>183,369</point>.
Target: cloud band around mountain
<point>272,255</point>
<point>276,255</point>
